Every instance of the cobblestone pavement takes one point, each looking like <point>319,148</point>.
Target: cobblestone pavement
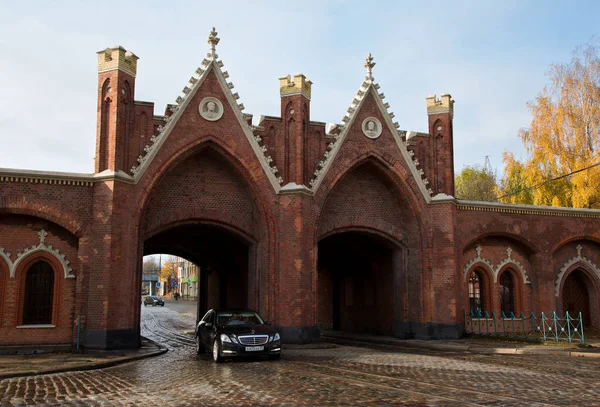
<point>345,376</point>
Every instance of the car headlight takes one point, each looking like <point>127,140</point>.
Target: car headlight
<point>233,338</point>
<point>275,337</point>
<point>225,338</point>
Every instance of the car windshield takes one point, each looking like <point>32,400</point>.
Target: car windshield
<point>154,298</point>
<point>234,318</point>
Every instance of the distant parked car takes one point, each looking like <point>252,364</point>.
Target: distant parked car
<point>229,333</point>
<point>154,301</point>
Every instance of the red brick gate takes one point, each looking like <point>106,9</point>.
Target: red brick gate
<point>315,227</point>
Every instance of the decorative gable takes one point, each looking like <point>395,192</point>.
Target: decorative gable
<point>211,109</point>
<point>372,128</point>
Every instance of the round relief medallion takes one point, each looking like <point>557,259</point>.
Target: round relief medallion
<point>211,109</point>
<point>371,127</point>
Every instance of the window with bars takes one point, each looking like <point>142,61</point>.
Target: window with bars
<point>476,293</point>
<point>507,293</point>
<point>39,293</point>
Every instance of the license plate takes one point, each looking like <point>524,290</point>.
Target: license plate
<point>254,348</point>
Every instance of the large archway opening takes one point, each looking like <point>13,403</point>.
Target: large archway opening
<point>221,258</point>
<point>359,284</point>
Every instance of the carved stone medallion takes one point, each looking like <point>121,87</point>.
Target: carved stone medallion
<point>371,127</point>
<point>211,109</point>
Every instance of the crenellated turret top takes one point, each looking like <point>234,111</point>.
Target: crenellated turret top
<point>443,105</point>
<point>117,57</point>
<point>298,85</point>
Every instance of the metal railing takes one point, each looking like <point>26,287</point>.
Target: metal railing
<point>547,328</point>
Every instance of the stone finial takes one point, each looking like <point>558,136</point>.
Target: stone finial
<point>42,234</point>
<point>369,64</point>
<point>509,251</point>
<point>579,247</point>
<point>213,40</point>
<point>478,250</point>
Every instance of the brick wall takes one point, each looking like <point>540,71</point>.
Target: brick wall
<point>19,233</point>
<point>207,175</point>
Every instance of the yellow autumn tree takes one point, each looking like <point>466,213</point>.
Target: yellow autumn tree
<point>168,273</point>
<point>563,140</point>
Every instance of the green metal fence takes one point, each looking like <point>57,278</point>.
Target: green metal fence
<point>547,328</point>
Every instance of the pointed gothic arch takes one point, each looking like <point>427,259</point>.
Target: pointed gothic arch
<point>39,275</point>
<point>579,291</point>
<point>395,174</point>
<point>510,289</point>
<point>479,288</point>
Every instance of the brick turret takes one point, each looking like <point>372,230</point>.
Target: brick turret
<point>441,151</point>
<point>295,114</point>
<point>117,69</point>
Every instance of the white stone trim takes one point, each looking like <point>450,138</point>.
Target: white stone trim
<point>527,209</point>
<point>376,132</point>
<point>61,178</point>
<point>293,188</point>
<point>577,259</point>
<point>6,257</point>
<point>36,326</point>
<point>42,247</point>
<point>475,260</point>
<point>496,270</point>
<point>514,263</point>
<point>204,102</point>
<point>158,140</point>
<point>369,86</point>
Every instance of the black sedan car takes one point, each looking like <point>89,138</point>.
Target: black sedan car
<point>229,333</point>
<point>154,301</point>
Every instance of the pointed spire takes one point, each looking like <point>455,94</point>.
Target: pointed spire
<point>369,64</point>
<point>213,40</point>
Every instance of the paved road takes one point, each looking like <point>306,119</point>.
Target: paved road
<point>344,376</point>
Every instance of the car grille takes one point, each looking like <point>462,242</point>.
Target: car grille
<point>253,339</point>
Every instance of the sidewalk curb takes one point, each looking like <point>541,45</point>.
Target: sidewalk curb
<point>462,348</point>
<point>92,366</point>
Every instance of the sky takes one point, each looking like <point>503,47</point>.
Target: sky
<point>491,56</point>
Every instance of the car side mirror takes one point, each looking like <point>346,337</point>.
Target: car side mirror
<point>208,325</point>
<point>267,322</point>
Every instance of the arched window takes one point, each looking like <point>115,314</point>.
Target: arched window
<point>507,293</point>
<point>477,293</point>
<point>39,293</point>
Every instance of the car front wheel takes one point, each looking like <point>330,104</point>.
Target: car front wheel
<point>216,352</point>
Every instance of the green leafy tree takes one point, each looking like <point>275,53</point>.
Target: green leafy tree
<point>476,183</point>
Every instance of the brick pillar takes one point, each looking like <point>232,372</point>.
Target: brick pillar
<point>296,296</point>
<point>440,287</point>
<point>544,295</point>
<point>115,275</point>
